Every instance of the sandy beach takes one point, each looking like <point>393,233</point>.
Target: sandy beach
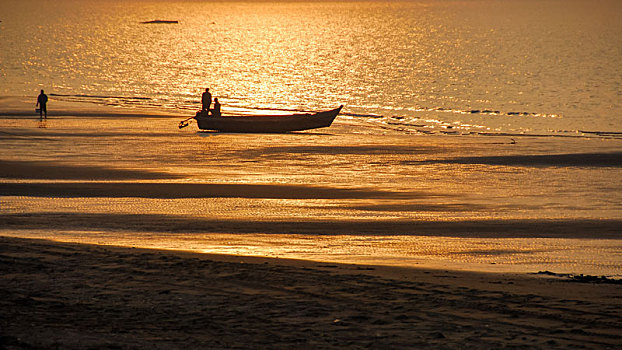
<point>72,296</point>
<point>467,195</point>
<point>122,232</point>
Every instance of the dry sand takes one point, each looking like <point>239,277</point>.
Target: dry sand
<point>70,296</point>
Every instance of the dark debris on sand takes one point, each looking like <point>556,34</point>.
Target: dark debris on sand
<point>582,278</point>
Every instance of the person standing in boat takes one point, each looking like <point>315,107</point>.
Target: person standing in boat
<point>216,110</point>
<point>42,101</point>
<point>206,100</point>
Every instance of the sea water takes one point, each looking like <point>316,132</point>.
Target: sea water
<point>511,70</point>
<point>550,67</point>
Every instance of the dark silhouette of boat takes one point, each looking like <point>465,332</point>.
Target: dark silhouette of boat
<point>160,21</point>
<point>267,123</point>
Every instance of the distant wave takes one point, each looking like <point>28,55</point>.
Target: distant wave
<point>491,112</point>
<point>350,114</point>
<point>141,102</point>
<point>438,126</point>
<point>102,96</point>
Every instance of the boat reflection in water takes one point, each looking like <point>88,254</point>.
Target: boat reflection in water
<point>267,123</point>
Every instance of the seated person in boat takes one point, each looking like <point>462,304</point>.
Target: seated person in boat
<point>216,110</point>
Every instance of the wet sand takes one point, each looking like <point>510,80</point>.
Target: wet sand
<point>85,296</point>
<point>413,214</point>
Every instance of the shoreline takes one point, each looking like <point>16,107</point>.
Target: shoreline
<point>19,107</point>
<point>80,296</point>
<point>564,258</point>
<point>13,107</point>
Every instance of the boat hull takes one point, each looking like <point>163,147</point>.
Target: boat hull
<point>267,123</point>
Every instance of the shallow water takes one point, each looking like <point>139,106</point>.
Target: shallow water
<point>537,67</point>
<point>350,193</point>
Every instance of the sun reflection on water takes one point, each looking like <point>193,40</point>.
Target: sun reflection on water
<point>447,62</point>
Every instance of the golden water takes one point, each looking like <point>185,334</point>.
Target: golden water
<point>536,67</point>
<point>381,197</point>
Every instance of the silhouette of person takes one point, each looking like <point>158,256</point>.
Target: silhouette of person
<point>42,101</point>
<point>206,100</point>
<point>216,110</point>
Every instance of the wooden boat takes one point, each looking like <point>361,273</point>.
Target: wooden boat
<point>267,123</point>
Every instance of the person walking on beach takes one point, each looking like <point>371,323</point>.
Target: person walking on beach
<point>216,110</point>
<point>42,101</point>
<point>206,100</point>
